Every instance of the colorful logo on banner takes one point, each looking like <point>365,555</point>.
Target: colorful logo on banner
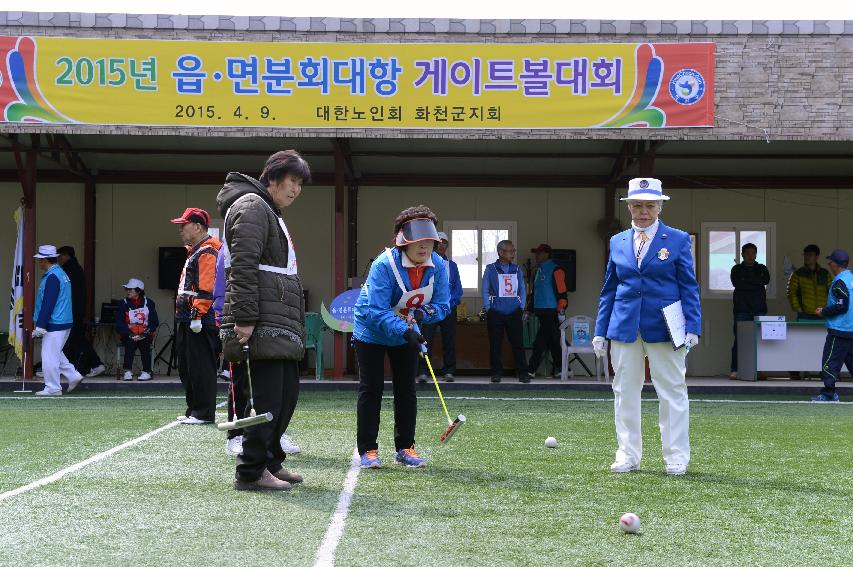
<point>329,85</point>
<point>341,313</point>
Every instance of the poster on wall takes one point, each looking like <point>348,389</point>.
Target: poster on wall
<point>332,85</point>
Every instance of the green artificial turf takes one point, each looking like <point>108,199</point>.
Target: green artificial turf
<point>769,484</point>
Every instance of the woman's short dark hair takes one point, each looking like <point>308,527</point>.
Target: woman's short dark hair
<point>284,163</point>
<point>419,212</point>
<point>747,246</point>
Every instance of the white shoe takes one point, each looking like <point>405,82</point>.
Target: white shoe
<point>144,377</point>
<point>128,376</point>
<point>74,383</point>
<point>676,469</point>
<point>623,467</point>
<point>47,393</point>
<point>181,418</point>
<point>234,446</point>
<point>39,374</point>
<point>193,421</point>
<point>96,371</point>
<point>288,446</point>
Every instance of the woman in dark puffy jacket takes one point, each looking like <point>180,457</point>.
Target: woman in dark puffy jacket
<point>264,308</point>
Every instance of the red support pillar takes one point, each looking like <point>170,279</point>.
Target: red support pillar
<point>89,245</point>
<point>340,236</point>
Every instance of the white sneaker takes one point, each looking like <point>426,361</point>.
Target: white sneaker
<point>676,469</point>
<point>128,376</point>
<point>47,393</point>
<point>181,418</point>
<point>74,383</point>
<point>288,446</point>
<point>144,377</point>
<point>193,421</point>
<point>623,467</point>
<point>96,371</point>
<point>234,446</point>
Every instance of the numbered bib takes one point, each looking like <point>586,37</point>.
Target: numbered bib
<point>507,285</point>
<point>410,299</point>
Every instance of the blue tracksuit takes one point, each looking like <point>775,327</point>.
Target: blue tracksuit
<point>53,304</point>
<point>491,297</point>
<point>375,319</point>
<point>455,283</point>
<point>838,349</point>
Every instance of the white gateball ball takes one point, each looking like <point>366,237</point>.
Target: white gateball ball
<point>630,523</point>
<point>550,442</point>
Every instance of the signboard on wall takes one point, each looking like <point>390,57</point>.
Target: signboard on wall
<point>335,85</point>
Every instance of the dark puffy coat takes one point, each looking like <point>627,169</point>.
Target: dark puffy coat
<point>273,302</point>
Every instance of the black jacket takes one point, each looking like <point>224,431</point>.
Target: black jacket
<point>750,295</point>
<point>75,273</point>
<point>273,302</point>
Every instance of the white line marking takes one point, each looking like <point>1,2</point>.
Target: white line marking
<point>94,398</point>
<point>692,400</point>
<point>326,553</point>
<point>91,460</point>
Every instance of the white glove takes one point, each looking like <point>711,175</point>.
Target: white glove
<point>195,326</point>
<point>691,340</point>
<point>561,316</point>
<point>38,332</point>
<point>598,345</point>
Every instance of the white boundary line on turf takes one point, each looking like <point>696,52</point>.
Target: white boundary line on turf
<point>92,397</point>
<point>91,460</point>
<point>692,400</point>
<point>326,553</point>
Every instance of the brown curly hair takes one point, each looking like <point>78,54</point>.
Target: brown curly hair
<point>419,212</point>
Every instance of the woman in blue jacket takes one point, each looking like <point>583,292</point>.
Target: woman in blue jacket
<point>136,324</point>
<point>407,286</point>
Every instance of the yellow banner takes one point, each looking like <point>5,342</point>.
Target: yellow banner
<point>333,85</point>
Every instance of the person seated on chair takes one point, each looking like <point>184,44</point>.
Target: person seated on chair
<point>136,324</point>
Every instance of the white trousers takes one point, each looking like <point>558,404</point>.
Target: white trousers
<point>668,368</point>
<point>53,361</point>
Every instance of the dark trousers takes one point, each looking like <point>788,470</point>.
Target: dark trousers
<point>275,384</point>
<point>78,350</point>
<point>837,351</point>
<point>197,368</point>
<point>130,347</point>
<point>740,317</point>
<point>547,337</point>
<point>238,395</point>
<point>448,343</point>
<point>371,376</point>
<point>497,323</point>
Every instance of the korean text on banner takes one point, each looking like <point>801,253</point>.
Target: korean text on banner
<point>373,85</point>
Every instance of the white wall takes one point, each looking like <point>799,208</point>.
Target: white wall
<point>133,221</point>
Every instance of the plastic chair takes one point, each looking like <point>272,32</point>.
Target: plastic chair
<point>601,366</point>
<point>315,330</point>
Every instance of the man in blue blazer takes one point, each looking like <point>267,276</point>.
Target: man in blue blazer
<point>650,267</point>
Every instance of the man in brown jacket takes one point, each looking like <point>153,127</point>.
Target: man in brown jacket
<point>264,308</point>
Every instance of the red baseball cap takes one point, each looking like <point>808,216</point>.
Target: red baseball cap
<point>193,214</point>
<point>542,248</point>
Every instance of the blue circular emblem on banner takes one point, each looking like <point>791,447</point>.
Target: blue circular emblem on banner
<point>343,306</point>
<point>687,87</point>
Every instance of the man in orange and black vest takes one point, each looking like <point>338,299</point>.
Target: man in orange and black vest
<point>549,300</point>
<point>196,332</point>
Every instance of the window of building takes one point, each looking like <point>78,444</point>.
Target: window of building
<point>473,246</point>
<point>721,244</point>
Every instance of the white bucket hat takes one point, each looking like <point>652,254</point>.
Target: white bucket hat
<point>645,189</point>
<point>46,251</point>
<point>134,283</point>
<point>443,236</point>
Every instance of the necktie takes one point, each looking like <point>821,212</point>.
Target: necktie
<point>643,240</point>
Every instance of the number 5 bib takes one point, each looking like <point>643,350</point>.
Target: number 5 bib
<point>508,285</point>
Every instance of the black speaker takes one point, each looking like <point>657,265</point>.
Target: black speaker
<point>170,264</point>
<point>567,259</point>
